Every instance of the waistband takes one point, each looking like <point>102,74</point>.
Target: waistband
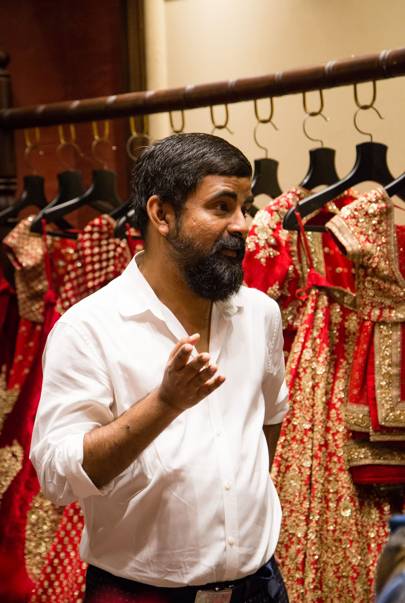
<point>243,589</point>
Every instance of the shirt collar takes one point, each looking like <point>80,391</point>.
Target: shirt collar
<point>138,296</point>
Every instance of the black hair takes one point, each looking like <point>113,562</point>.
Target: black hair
<point>173,167</point>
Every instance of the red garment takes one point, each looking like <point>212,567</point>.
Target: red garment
<point>20,549</point>
<point>331,533</point>
<point>376,393</point>
<point>8,330</point>
<point>268,244</point>
<point>98,258</point>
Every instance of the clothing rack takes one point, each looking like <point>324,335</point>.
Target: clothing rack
<point>372,67</point>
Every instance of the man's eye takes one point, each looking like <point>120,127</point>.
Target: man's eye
<point>222,206</point>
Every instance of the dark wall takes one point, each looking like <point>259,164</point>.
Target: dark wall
<point>66,50</point>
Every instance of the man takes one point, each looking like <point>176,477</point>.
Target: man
<point>161,390</point>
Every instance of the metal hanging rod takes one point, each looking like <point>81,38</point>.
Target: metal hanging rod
<point>382,65</point>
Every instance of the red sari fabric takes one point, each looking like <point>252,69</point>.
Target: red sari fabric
<point>375,409</point>
<point>98,258</point>
<point>331,533</point>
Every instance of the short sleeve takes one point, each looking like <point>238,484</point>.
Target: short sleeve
<point>271,263</point>
<point>274,386</point>
<point>268,263</point>
<point>360,226</point>
<point>76,397</point>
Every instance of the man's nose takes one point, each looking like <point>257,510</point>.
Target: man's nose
<point>238,224</point>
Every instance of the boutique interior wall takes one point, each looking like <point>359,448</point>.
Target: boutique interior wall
<point>197,41</point>
<point>62,51</point>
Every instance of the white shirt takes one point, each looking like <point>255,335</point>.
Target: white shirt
<point>198,505</point>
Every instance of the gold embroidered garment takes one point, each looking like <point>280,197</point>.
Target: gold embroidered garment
<point>331,533</point>
<point>376,395</point>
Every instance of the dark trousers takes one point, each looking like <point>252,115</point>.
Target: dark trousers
<point>265,586</point>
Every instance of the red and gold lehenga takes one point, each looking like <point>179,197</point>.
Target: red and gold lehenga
<point>98,258</point>
<point>375,409</point>
<point>332,532</point>
<point>39,266</point>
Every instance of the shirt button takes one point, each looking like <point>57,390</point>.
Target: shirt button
<point>231,541</point>
<point>219,433</point>
<point>227,486</point>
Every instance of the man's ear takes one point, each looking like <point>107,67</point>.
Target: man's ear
<point>161,214</point>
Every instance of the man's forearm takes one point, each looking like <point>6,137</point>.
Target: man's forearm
<point>272,433</point>
<point>110,449</point>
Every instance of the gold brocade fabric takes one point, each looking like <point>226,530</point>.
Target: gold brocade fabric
<point>332,532</point>
<point>8,398</point>
<point>26,252</point>
<point>11,459</point>
<point>98,258</point>
<point>366,229</point>
<point>42,522</point>
<point>376,403</point>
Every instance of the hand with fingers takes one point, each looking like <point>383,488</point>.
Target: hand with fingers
<point>188,379</point>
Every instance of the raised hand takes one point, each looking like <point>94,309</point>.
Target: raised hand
<point>188,378</point>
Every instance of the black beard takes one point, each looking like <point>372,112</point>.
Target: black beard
<point>212,275</point>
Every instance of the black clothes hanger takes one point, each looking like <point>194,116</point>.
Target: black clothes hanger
<point>370,165</point>
<point>70,186</point>
<point>265,180</point>
<point>396,187</point>
<point>33,195</point>
<point>321,169</point>
<point>120,228</point>
<point>102,195</point>
<point>121,211</point>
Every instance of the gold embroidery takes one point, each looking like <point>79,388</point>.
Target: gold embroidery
<point>397,435</point>
<point>321,507</point>
<point>262,237</point>
<point>26,252</point>
<point>391,409</point>
<point>357,417</point>
<point>316,248</point>
<point>274,291</point>
<point>359,453</point>
<point>367,230</point>
<point>344,235</point>
<point>11,458</point>
<point>8,398</point>
<point>343,297</point>
<point>42,522</point>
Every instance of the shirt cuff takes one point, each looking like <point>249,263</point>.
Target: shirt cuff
<point>281,406</point>
<point>70,463</point>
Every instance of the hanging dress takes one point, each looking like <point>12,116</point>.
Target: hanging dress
<point>8,334</point>
<point>269,245</point>
<point>32,257</point>
<point>331,534</point>
<point>375,409</point>
<point>98,258</point>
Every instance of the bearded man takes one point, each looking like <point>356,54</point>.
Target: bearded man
<point>163,395</point>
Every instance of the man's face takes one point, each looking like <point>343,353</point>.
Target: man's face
<point>208,241</point>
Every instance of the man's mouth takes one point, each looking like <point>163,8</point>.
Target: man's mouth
<point>232,253</point>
